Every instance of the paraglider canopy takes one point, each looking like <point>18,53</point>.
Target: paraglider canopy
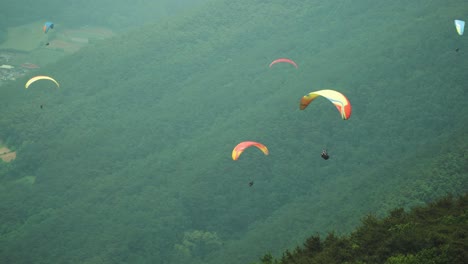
<point>460,25</point>
<point>47,26</point>
<point>40,77</point>
<point>286,60</point>
<point>237,151</point>
<point>338,99</point>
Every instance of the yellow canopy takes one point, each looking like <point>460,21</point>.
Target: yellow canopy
<point>40,77</point>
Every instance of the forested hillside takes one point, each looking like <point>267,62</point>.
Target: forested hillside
<point>436,233</point>
<point>116,14</point>
<point>129,161</point>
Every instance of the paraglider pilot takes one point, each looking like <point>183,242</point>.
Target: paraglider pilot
<point>324,155</point>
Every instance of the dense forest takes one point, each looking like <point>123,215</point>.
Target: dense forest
<point>436,233</point>
<point>118,15</point>
<point>129,161</point>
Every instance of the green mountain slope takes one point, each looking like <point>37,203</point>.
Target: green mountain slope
<point>131,157</point>
<point>116,14</point>
<point>435,233</point>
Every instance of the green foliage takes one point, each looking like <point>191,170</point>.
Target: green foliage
<point>132,153</point>
<point>115,14</point>
<point>3,35</point>
<point>196,245</point>
<point>422,235</point>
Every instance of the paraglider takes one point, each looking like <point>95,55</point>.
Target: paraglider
<point>29,65</point>
<point>286,60</point>
<point>338,99</point>
<point>460,26</point>
<point>47,26</point>
<point>40,77</point>
<point>237,151</point>
<point>324,154</point>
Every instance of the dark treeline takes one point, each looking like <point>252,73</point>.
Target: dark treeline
<point>436,233</point>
